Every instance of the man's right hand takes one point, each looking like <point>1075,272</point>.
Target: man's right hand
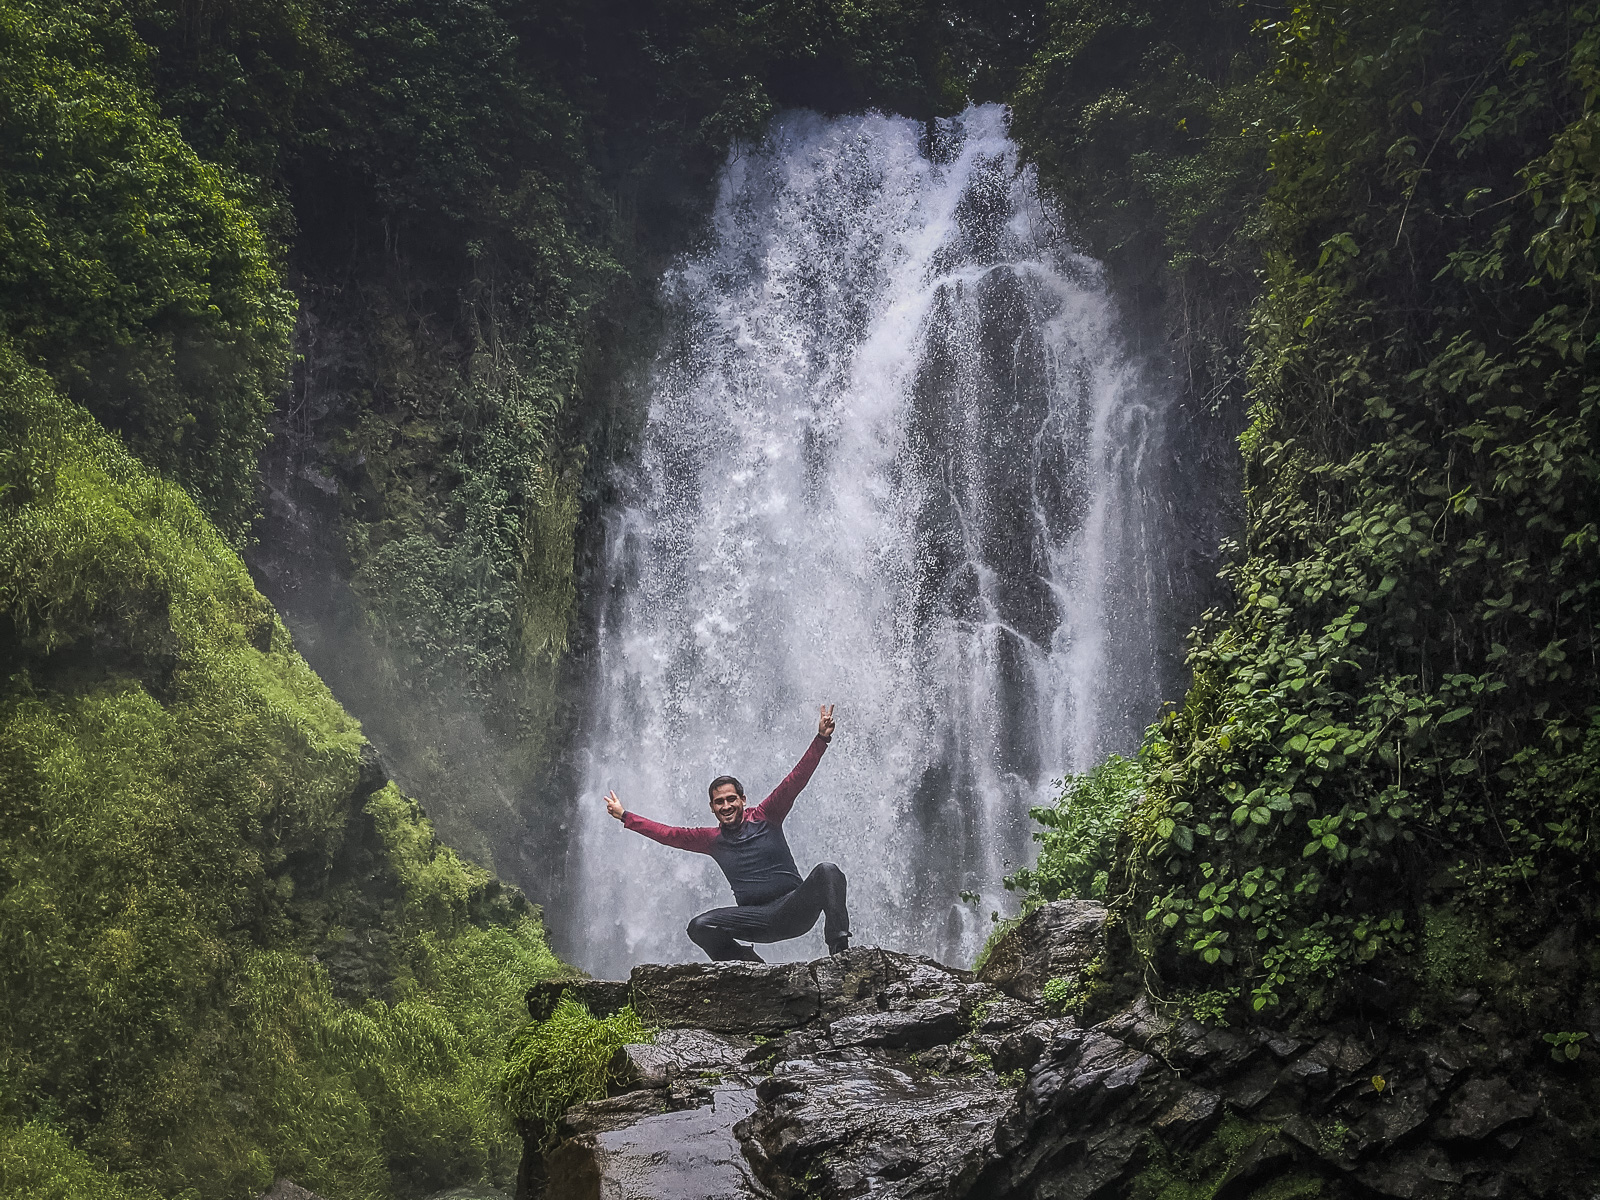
<point>614,806</point>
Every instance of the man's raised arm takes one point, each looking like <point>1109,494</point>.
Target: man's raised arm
<point>776,806</point>
<point>698,840</point>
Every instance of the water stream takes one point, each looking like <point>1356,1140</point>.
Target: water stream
<point>897,459</point>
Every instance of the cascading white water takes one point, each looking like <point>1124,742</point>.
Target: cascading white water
<point>895,459</point>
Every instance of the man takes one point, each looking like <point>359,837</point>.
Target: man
<point>772,902</point>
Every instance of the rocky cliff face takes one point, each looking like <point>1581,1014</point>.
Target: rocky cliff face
<point>880,1074</point>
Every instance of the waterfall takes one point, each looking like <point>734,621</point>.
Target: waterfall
<point>897,459</point>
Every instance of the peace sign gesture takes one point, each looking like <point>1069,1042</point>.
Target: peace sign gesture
<point>825,721</point>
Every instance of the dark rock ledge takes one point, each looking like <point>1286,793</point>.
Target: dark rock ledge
<point>886,1075</point>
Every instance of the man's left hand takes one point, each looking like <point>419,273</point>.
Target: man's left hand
<point>825,721</point>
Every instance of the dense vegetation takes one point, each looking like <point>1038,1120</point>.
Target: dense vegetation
<point>1383,782</point>
<point>229,951</point>
<point>135,271</point>
<point>413,243</point>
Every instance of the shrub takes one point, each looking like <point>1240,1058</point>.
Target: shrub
<point>1076,850</point>
<point>565,1060</point>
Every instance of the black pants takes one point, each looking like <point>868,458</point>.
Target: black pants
<point>778,920</point>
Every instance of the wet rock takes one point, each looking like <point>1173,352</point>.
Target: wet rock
<point>475,1191</point>
<point>1000,1014</point>
<point>1054,941</point>
<point>371,774</point>
<point>1281,1045</point>
<point>1189,1118</point>
<point>875,1074</point>
<point>1085,1073</point>
<point>1391,1119</point>
<point>1482,1107</point>
<point>852,1123</point>
<point>849,983</point>
<point>614,1112</point>
<point>917,1026</point>
<point>687,1062</point>
<point>1346,1054</point>
<point>1309,1074</point>
<point>644,1066</point>
<point>1252,1087</point>
<point>731,997</point>
<point>1424,1174</point>
<point>700,1050</point>
<point>1444,1065</point>
<point>687,1155</point>
<point>1023,1049</point>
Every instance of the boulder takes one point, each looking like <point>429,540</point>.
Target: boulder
<point>1482,1107</point>
<point>849,983</point>
<point>1054,941</point>
<point>914,1027</point>
<point>728,997</point>
<point>855,1123</point>
<point>1188,1118</point>
<point>678,1054</point>
<point>888,1075</point>
<point>655,1155</point>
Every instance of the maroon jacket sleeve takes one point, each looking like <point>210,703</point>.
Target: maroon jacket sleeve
<point>776,806</point>
<point>698,840</point>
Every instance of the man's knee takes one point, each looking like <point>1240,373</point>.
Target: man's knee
<point>701,928</point>
<point>829,872</point>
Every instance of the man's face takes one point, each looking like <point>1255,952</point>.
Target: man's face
<point>727,804</point>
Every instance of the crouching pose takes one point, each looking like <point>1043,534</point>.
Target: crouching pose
<point>772,902</point>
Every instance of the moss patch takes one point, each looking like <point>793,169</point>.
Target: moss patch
<point>565,1060</point>
<point>1199,1174</point>
<point>185,837</point>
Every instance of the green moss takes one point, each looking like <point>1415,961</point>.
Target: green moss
<point>39,1163</point>
<point>1455,948</point>
<point>565,1060</point>
<point>1198,1174</point>
<point>182,835</point>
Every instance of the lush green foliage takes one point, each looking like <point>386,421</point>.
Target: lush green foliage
<point>1398,713</point>
<point>221,956</point>
<point>135,272</point>
<point>1200,1173</point>
<point>38,1163</point>
<point>1077,850</point>
<point>565,1060</point>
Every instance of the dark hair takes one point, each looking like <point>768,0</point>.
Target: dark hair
<point>722,779</point>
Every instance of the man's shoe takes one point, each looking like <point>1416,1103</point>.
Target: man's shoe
<point>839,944</point>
